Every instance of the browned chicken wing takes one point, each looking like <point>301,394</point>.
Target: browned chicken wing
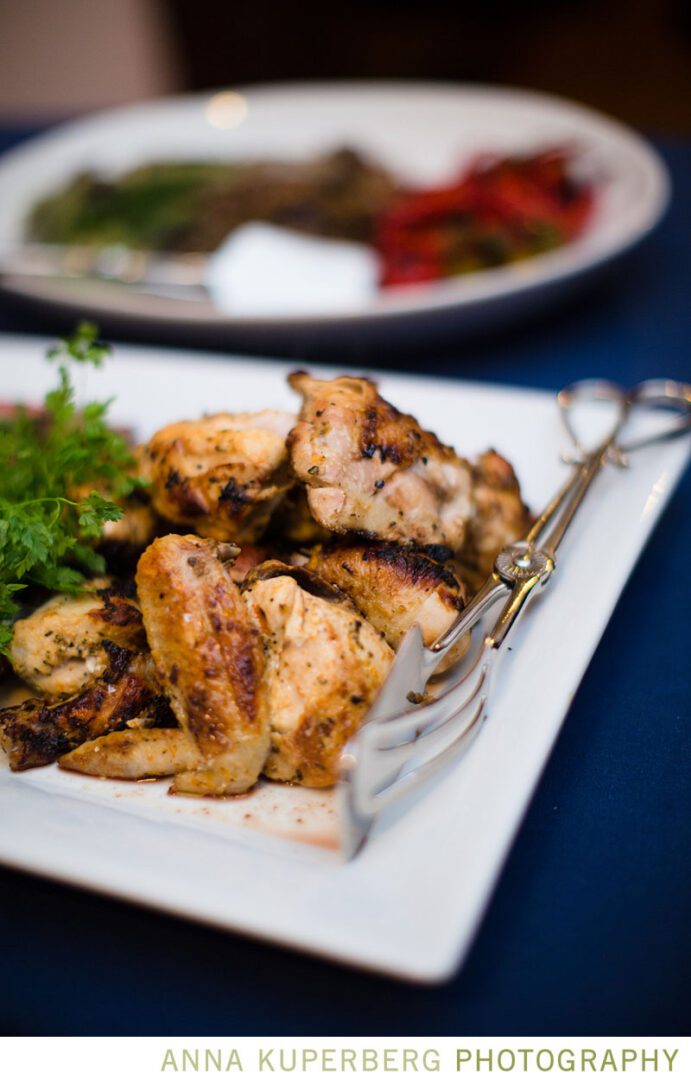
<point>210,660</point>
<point>393,587</point>
<point>224,475</point>
<point>370,469</point>
<point>39,730</point>
<point>60,647</point>
<point>134,754</point>
<point>325,665</point>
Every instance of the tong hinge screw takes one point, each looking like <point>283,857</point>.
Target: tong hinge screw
<point>519,562</point>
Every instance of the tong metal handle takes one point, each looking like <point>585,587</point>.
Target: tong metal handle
<point>530,561</point>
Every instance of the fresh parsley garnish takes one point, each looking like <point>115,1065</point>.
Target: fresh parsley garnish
<point>59,470</point>
<point>83,346</point>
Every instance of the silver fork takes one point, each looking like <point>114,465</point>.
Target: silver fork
<point>403,741</point>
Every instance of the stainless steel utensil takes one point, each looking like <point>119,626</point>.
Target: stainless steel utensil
<point>181,275</point>
<point>406,738</point>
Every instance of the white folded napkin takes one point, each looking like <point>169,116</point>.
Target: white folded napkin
<point>265,270</point>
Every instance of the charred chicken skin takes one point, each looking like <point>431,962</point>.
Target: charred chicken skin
<point>373,471</point>
<point>210,661</point>
<point>40,730</point>
<point>325,666</point>
<point>60,647</point>
<point>393,587</point>
<point>223,475</point>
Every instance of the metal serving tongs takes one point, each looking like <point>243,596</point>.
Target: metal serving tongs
<point>402,742</point>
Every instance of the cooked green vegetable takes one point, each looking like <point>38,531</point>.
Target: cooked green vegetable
<point>46,461</point>
<point>152,207</point>
<point>192,206</point>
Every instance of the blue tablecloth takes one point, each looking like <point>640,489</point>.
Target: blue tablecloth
<point>588,932</point>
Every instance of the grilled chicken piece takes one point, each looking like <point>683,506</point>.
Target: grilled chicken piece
<point>60,647</point>
<point>224,475</point>
<point>500,517</point>
<point>210,659</point>
<point>39,731</point>
<point>138,754</point>
<point>371,470</point>
<point>325,666</point>
<point>393,587</point>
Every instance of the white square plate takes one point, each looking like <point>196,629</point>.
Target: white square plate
<point>409,904</point>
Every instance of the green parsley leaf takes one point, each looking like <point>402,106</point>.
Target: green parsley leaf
<point>93,512</point>
<point>83,346</point>
<point>54,470</point>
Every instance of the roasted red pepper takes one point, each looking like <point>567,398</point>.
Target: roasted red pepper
<point>499,211</point>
